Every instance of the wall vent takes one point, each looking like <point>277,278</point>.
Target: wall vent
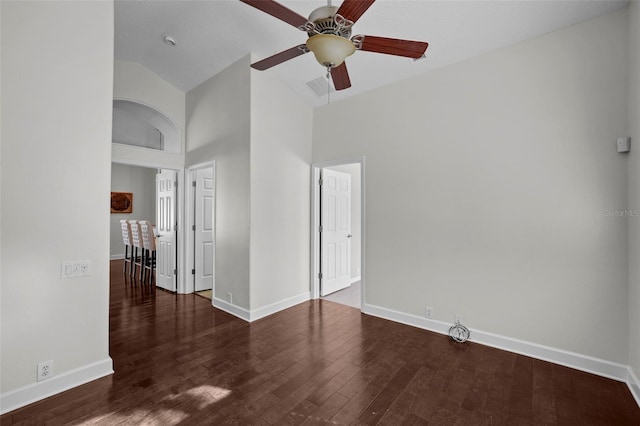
<point>319,86</point>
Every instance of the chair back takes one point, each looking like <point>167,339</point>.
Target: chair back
<point>126,231</point>
<point>148,238</point>
<point>136,238</point>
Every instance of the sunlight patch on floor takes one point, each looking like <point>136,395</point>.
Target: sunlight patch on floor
<point>199,397</point>
<point>206,394</point>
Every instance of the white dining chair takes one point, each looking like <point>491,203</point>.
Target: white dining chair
<point>128,248</point>
<point>149,249</point>
<point>138,250</point>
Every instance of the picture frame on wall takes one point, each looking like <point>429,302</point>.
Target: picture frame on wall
<point>121,202</point>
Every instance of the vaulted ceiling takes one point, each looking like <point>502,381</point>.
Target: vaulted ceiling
<point>212,34</point>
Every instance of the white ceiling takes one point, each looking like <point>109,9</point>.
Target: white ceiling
<point>212,34</point>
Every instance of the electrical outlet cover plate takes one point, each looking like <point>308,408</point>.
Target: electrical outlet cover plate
<point>44,370</point>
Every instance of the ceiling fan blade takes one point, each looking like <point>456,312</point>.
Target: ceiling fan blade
<point>279,11</point>
<point>340,77</point>
<point>353,9</point>
<point>393,46</point>
<point>281,57</point>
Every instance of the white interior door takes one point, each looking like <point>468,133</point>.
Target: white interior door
<point>166,273</point>
<point>204,229</point>
<point>335,219</point>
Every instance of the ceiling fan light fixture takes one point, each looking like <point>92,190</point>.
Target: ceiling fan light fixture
<point>330,50</point>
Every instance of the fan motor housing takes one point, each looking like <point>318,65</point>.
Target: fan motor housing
<point>324,20</point>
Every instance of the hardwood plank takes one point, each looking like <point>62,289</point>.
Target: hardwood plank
<point>305,389</point>
<point>412,420</point>
<point>321,393</point>
<point>543,403</point>
<point>416,393</point>
<point>364,389</point>
<point>380,405</point>
<point>298,414</point>
<point>521,401</point>
<point>323,413</point>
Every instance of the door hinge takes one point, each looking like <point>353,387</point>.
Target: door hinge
<point>320,275</point>
<point>193,272</point>
<point>193,228</point>
<point>175,272</point>
<point>320,182</point>
<point>175,227</point>
<point>193,183</point>
<point>320,228</point>
<point>175,183</point>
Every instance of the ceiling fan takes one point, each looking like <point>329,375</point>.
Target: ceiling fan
<point>329,28</point>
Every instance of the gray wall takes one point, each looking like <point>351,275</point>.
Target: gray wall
<point>218,128</point>
<point>142,183</point>
<point>634,190</point>
<point>259,135</point>
<point>281,127</point>
<point>56,119</point>
<point>487,186</point>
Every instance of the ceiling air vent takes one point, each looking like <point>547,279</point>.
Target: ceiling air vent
<point>319,86</point>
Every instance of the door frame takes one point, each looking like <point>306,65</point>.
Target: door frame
<point>180,244</point>
<point>315,249</point>
<point>189,286</point>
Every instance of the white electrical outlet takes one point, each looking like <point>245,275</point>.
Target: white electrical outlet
<point>429,312</point>
<point>44,370</point>
<point>229,297</point>
<point>459,318</point>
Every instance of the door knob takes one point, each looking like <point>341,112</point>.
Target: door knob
<point>349,236</point>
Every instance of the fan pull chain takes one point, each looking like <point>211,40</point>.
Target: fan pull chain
<point>328,84</point>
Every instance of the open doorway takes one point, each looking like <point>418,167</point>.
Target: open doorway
<point>155,198</point>
<point>141,182</point>
<point>201,226</point>
<point>338,242</point>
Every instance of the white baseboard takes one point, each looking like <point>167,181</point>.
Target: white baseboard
<point>634,385</point>
<point>232,309</point>
<point>577,361</point>
<point>40,390</point>
<point>117,256</point>
<point>256,314</point>
<point>355,280</point>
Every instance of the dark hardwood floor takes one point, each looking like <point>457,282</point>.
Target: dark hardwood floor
<point>178,361</point>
